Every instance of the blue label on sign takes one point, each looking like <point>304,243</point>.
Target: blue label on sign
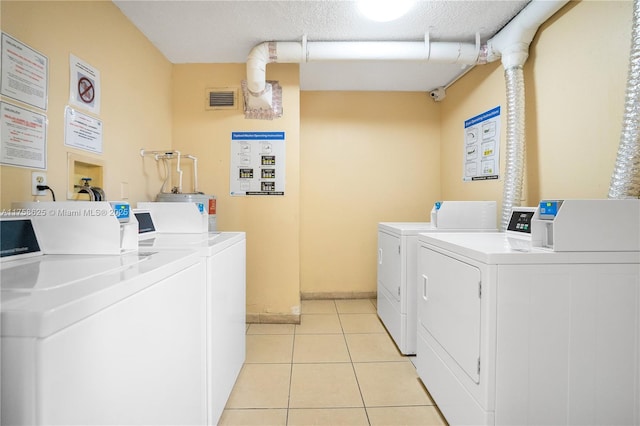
<point>438,204</point>
<point>482,117</point>
<point>200,207</point>
<point>257,136</point>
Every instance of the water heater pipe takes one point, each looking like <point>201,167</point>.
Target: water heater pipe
<point>166,155</point>
<point>195,171</point>
<point>169,155</point>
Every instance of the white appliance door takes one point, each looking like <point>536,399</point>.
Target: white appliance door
<point>226,325</point>
<point>389,264</point>
<point>450,307</point>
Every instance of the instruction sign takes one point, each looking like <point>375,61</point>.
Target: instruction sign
<point>84,85</point>
<point>257,163</point>
<point>24,137</point>
<point>25,73</point>
<point>82,131</point>
<point>482,146</point>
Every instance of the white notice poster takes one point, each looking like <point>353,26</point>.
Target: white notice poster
<point>84,85</point>
<point>257,163</point>
<point>24,73</point>
<point>24,137</point>
<point>481,158</point>
<point>82,131</point>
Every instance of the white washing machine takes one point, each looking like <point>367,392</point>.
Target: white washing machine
<point>539,333</point>
<point>224,256</point>
<point>100,339</point>
<point>397,258</point>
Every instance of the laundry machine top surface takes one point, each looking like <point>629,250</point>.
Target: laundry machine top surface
<point>496,248</point>
<point>207,244</point>
<point>404,228</point>
<point>48,272</point>
<point>43,294</point>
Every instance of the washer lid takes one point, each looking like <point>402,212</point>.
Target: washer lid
<point>207,244</point>
<point>49,272</point>
<point>42,312</point>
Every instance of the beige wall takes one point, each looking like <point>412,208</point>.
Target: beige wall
<point>353,158</point>
<point>136,93</point>
<point>366,157</point>
<point>575,81</point>
<point>272,223</point>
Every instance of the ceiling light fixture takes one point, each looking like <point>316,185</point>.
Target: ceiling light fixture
<point>384,10</point>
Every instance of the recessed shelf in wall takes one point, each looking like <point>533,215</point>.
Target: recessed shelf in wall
<point>79,167</point>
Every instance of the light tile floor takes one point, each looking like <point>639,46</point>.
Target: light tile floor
<point>338,367</point>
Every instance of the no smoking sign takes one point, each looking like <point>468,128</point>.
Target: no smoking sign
<point>84,85</point>
<point>86,91</point>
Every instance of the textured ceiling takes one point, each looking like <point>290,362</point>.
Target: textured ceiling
<point>225,31</point>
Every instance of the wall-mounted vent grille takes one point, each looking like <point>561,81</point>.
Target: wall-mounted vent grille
<point>221,98</point>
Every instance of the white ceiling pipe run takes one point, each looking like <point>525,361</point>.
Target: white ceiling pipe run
<point>443,52</point>
<point>298,52</point>
<point>511,44</point>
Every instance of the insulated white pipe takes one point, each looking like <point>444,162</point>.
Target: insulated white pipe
<point>512,42</point>
<point>296,52</point>
<point>444,52</point>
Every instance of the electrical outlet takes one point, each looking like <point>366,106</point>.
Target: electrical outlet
<point>38,178</point>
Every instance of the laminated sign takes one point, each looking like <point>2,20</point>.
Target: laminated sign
<point>257,163</point>
<point>482,146</point>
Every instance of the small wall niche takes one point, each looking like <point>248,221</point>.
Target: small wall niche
<point>79,167</point>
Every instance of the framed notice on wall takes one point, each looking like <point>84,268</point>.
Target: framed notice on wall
<point>25,73</point>
<point>23,141</point>
<point>257,163</point>
<point>481,153</point>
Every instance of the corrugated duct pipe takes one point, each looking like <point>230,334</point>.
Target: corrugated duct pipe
<point>511,45</point>
<point>625,181</point>
<point>516,144</point>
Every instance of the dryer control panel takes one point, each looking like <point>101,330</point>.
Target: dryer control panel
<point>587,225</point>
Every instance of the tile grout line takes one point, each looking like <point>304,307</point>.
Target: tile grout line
<point>293,348</point>
<point>353,367</point>
<point>295,334</point>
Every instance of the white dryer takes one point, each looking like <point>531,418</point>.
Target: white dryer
<point>541,334</point>
<point>224,256</point>
<point>100,339</point>
<point>397,258</point>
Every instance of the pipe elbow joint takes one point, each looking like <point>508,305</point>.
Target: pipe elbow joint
<point>515,55</point>
<point>257,61</point>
